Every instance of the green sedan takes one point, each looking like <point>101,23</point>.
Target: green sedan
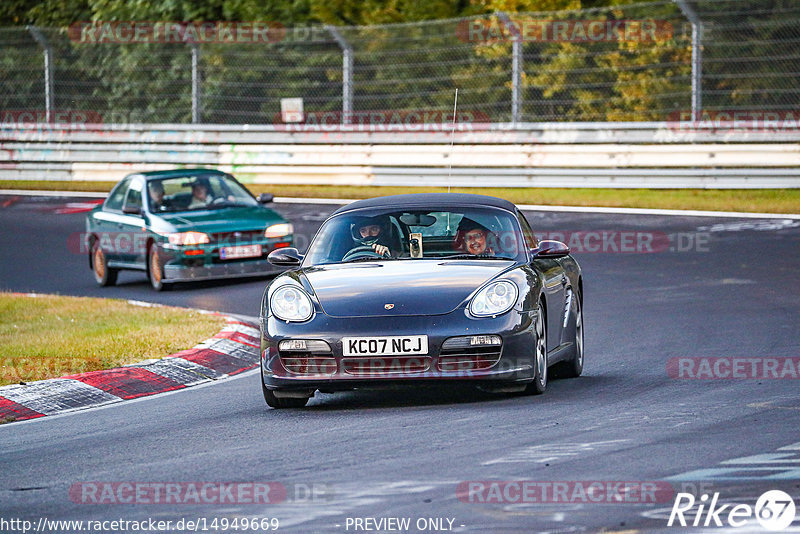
<point>183,225</point>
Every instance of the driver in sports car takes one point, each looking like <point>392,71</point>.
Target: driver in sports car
<point>371,232</point>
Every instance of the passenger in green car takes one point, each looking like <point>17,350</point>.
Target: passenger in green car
<point>199,195</point>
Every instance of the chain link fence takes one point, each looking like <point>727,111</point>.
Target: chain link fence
<point>627,63</point>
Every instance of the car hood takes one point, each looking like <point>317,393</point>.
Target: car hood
<point>413,287</point>
<point>221,220</point>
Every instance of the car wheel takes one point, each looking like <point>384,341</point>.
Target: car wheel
<point>574,367</point>
<point>103,274</point>
<point>282,402</point>
<point>155,273</point>
<point>539,384</point>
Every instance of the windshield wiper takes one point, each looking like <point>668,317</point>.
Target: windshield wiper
<point>474,257</point>
<point>227,204</point>
<point>364,258</point>
<point>371,258</point>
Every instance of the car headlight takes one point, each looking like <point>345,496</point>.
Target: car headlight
<point>188,238</point>
<point>279,230</point>
<point>494,299</point>
<point>290,303</point>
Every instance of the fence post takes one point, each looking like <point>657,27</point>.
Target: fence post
<point>48,71</point>
<point>347,73</point>
<point>197,108</point>
<point>697,57</point>
<point>516,66</point>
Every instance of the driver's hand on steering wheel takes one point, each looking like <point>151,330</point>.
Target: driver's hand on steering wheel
<point>383,250</point>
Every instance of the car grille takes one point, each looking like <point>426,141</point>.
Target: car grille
<point>309,365</point>
<point>458,355</point>
<point>388,365</point>
<point>315,361</point>
<point>236,238</point>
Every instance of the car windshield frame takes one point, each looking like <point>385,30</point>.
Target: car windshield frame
<point>442,238</point>
<point>223,191</point>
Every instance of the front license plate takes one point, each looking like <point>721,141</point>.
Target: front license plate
<point>242,251</point>
<point>384,346</point>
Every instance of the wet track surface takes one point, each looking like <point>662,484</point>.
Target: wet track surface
<point>717,288</point>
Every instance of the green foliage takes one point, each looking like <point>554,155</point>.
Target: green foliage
<point>407,55</point>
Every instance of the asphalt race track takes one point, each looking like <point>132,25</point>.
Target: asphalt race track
<point>719,288</point>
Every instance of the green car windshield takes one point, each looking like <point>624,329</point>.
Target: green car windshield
<point>455,233</point>
<point>200,192</point>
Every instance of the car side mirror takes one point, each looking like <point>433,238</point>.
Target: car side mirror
<point>266,198</point>
<point>285,257</point>
<point>549,249</point>
<point>131,210</point>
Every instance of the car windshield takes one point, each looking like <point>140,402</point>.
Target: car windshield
<point>196,192</point>
<point>453,233</point>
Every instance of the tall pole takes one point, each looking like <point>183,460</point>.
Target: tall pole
<point>697,58</point>
<point>48,71</point>
<point>347,73</point>
<point>197,109</point>
<point>516,66</point>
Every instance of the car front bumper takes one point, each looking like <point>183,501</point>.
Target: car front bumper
<point>180,265</point>
<point>184,273</point>
<point>513,366</point>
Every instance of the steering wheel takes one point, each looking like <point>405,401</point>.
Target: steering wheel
<point>362,251</point>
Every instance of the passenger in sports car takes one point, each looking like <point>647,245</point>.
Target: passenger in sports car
<point>473,238</point>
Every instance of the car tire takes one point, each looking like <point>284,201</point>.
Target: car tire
<point>539,384</point>
<point>155,272</point>
<point>282,402</point>
<point>573,367</point>
<point>103,274</point>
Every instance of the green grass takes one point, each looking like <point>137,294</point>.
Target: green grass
<point>748,200</point>
<point>51,336</point>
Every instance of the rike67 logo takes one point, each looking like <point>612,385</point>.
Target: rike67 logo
<point>774,510</point>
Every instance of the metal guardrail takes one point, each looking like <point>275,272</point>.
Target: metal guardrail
<point>652,155</point>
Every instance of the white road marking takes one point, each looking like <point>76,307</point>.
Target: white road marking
<point>758,226</point>
<point>768,466</point>
<point>553,452</point>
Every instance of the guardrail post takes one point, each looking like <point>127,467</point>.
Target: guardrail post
<point>197,108</point>
<point>516,66</point>
<point>48,71</point>
<point>697,57</point>
<point>347,73</point>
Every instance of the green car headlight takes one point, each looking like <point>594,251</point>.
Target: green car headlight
<point>188,238</point>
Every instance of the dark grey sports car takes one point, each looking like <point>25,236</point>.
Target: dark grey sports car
<point>421,288</point>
